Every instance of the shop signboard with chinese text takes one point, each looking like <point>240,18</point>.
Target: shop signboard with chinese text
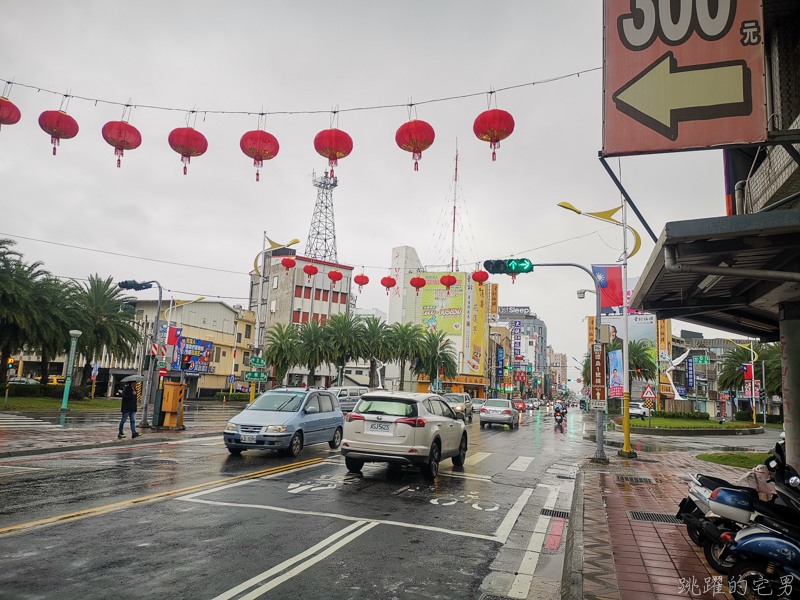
<point>598,372</point>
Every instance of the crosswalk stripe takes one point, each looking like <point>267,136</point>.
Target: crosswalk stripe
<point>521,464</point>
<point>476,458</point>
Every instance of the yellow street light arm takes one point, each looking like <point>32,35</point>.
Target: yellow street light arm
<point>605,215</point>
<point>272,246</point>
<point>748,346</point>
<point>180,303</point>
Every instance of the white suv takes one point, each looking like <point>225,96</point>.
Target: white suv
<point>404,428</point>
<point>637,409</point>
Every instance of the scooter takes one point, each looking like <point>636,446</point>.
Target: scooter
<point>559,417</point>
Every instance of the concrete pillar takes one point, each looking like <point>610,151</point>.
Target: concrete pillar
<point>789,315</point>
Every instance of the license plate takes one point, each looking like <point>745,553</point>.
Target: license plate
<point>379,426</point>
<point>248,439</point>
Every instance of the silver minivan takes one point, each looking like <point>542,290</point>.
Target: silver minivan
<point>348,395</point>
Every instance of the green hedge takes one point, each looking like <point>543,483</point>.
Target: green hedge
<point>665,414</point>
<point>48,391</point>
<point>747,415</point>
<point>234,397</point>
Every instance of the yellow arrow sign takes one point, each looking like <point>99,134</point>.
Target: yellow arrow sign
<point>664,94</point>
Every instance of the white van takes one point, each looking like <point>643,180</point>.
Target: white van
<point>348,395</point>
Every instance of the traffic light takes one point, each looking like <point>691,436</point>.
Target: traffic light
<point>134,285</point>
<point>511,266</point>
<point>186,362</point>
<point>11,363</point>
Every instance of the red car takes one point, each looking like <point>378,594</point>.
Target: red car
<point>519,405</point>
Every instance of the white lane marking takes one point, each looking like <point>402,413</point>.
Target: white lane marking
<point>246,481</point>
<point>309,563</point>
<point>466,476</point>
<point>24,468</point>
<point>491,538</point>
<point>504,530</point>
<point>287,563</point>
<point>521,464</point>
<point>527,568</point>
<point>474,459</point>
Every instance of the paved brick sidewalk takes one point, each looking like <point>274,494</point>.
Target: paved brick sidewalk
<point>625,559</point>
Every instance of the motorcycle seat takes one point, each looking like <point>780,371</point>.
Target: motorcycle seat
<point>779,526</point>
<point>713,483</point>
<point>775,511</point>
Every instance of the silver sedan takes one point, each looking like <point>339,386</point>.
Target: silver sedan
<point>501,412</point>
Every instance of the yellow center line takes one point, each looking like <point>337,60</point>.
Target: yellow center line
<point>82,514</point>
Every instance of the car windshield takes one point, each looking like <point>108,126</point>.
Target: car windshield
<point>279,401</point>
<point>387,406</point>
<point>498,403</point>
<point>454,397</point>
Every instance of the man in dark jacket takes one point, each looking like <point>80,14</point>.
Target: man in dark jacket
<point>128,410</point>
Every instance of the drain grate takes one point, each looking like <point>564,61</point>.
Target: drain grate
<point>637,515</point>
<point>561,514</point>
<point>564,477</point>
<point>493,597</point>
<point>634,479</point>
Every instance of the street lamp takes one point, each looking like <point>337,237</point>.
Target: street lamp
<point>606,216</point>
<point>74,334</point>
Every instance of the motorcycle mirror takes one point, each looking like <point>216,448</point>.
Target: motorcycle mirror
<point>794,481</point>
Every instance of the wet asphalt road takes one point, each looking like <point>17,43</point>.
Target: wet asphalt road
<point>188,520</point>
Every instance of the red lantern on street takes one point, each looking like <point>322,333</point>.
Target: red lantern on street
<point>447,281</point>
<point>361,280</point>
<point>388,283</point>
<point>310,270</point>
<point>417,283</point>
<point>334,276</point>
<point>480,277</point>
<point>59,125</point>
<point>260,146</point>
<point>492,126</point>
<point>288,263</point>
<point>9,113</point>
<point>415,137</point>
<point>123,136</point>
<point>333,144</point>
<point>187,142</point>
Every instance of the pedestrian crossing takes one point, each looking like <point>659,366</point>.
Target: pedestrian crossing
<point>23,422</point>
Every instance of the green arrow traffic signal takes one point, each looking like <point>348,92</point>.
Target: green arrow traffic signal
<point>512,266</point>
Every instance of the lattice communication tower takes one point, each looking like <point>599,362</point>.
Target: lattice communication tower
<point>321,243</point>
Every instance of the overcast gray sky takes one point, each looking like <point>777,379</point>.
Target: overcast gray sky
<point>301,56</point>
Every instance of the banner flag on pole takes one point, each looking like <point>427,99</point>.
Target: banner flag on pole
<point>748,371</point>
<point>609,279</point>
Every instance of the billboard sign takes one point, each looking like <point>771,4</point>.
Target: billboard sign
<point>475,329</point>
<point>681,75</point>
<point>443,310</point>
<point>200,352</point>
<point>514,310</point>
<point>598,373</point>
<point>615,373</point>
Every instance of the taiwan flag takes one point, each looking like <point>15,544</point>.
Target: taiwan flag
<point>173,335</point>
<point>609,278</point>
<point>748,371</point>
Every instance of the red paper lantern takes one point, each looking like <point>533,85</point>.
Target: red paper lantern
<point>333,144</point>
<point>361,280</point>
<point>260,146</point>
<point>289,263</point>
<point>187,142</point>
<point>9,113</point>
<point>415,137</point>
<point>388,283</point>
<point>480,277</point>
<point>492,126</point>
<point>334,276</point>
<point>59,125</point>
<point>310,270</point>
<point>123,136</point>
<point>447,281</point>
<point>417,283</point>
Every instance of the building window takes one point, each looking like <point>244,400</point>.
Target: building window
<point>298,291</point>
<point>238,338</point>
<point>224,354</point>
<point>272,305</point>
<point>245,357</point>
<point>316,317</point>
<point>335,298</point>
<point>235,367</point>
<point>305,317</point>
<point>216,354</point>
<point>322,319</point>
<point>348,371</point>
<point>307,293</point>
<point>248,331</point>
<point>213,324</point>
<point>343,298</point>
<point>325,296</point>
<point>359,372</point>
<point>317,294</point>
<point>275,282</point>
<point>296,316</point>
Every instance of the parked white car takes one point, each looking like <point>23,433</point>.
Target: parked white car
<point>406,429</point>
<point>637,409</point>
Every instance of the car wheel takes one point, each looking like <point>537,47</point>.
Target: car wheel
<point>337,439</point>
<point>431,468</point>
<point>353,465</point>
<point>295,445</point>
<point>458,459</point>
<point>234,451</point>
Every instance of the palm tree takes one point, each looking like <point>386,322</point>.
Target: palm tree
<point>377,345</point>
<point>731,376</point>
<point>436,352</point>
<point>771,353</point>
<point>344,333</point>
<point>314,348</point>
<point>282,349</point>
<point>108,322</point>
<point>406,343</point>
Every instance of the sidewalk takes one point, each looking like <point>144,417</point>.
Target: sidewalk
<point>619,556</point>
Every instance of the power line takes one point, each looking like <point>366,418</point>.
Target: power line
<point>128,105</point>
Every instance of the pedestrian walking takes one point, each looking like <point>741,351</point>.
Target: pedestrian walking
<point>128,410</point>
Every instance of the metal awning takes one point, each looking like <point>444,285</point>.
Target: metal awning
<point>745,305</point>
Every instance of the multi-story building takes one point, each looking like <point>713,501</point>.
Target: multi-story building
<point>531,326</point>
<point>557,370</point>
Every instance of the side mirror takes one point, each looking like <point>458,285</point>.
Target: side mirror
<point>311,410</point>
<point>460,416</point>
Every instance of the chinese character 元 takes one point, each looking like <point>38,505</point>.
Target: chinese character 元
<point>751,33</point>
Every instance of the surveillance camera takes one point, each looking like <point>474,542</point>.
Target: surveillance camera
<point>581,294</point>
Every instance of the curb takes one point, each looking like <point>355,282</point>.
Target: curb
<point>126,444</point>
<point>572,575</point>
